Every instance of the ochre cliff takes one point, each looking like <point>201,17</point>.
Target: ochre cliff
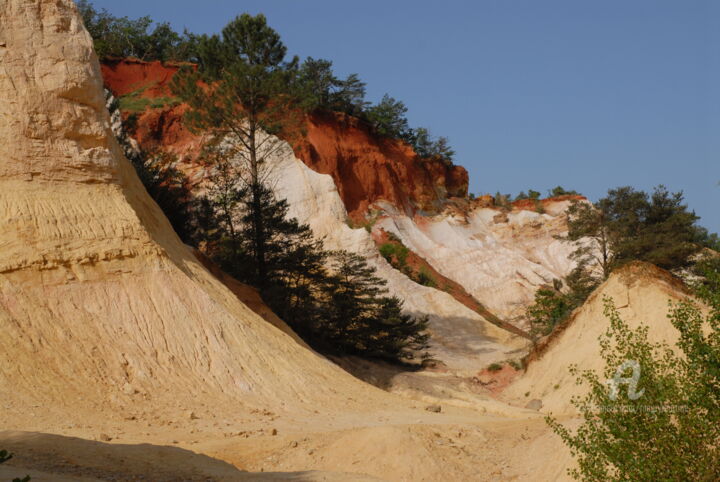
<point>103,309</point>
<point>365,167</point>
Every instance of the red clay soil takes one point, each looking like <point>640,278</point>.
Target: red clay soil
<point>531,204</point>
<point>123,76</point>
<point>366,168</point>
<point>163,129</point>
<point>496,381</point>
<point>415,263</point>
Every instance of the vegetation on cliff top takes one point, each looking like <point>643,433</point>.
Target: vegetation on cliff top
<point>312,81</point>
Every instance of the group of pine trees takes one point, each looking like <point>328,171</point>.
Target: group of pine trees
<point>240,96</point>
<point>626,225</point>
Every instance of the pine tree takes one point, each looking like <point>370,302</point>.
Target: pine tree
<point>239,93</point>
<point>362,319</point>
<point>632,225</point>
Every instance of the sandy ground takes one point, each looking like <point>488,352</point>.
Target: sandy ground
<point>414,444</point>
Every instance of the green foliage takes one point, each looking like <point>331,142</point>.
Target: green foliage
<point>494,367</point>
<point>241,91</point>
<point>707,239</point>
<point>332,299</point>
<point>134,102</point>
<point>395,253</point>
<point>388,118</point>
<point>560,191</point>
<point>429,147</point>
<point>668,427</point>
<point>123,37</point>
<point>320,89</point>
<point>707,272</point>
<point>503,201</point>
<point>632,225</point>
<point>550,308</point>
<point>251,83</point>
<point>553,305</point>
<point>359,319</point>
<point>425,278</point>
<point>515,364</point>
<point>531,194</point>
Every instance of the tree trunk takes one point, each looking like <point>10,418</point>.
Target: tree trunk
<point>256,207</point>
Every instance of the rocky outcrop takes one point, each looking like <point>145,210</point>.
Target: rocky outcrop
<point>500,257</point>
<point>368,169</point>
<point>102,307</point>
<point>462,338</point>
<point>125,76</point>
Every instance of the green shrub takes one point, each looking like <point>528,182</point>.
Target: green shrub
<point>665,425</point>
<point>494,367</point>
<point>395,254</point>
<point>124,37</point>
<point>515,364</point>
<point>425,278</point>
<point>560,191</point>
<point>554,304</point>
<point>133,102</point>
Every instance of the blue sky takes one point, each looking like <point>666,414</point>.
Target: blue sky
<point>586,94</point>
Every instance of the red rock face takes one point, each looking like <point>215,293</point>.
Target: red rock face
<point>124,76</point>
<point>366,168</point>
<point>163,129</point>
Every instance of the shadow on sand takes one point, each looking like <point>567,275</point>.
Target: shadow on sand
<point>49,457</point>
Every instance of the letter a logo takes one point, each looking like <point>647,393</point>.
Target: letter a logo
<point>631,381</point>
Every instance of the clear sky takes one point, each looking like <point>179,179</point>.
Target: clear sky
<point>587,94</point>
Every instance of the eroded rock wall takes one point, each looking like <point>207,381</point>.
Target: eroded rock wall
<point>101,306</point>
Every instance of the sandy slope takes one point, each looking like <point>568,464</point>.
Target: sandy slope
<point>641,293</point>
